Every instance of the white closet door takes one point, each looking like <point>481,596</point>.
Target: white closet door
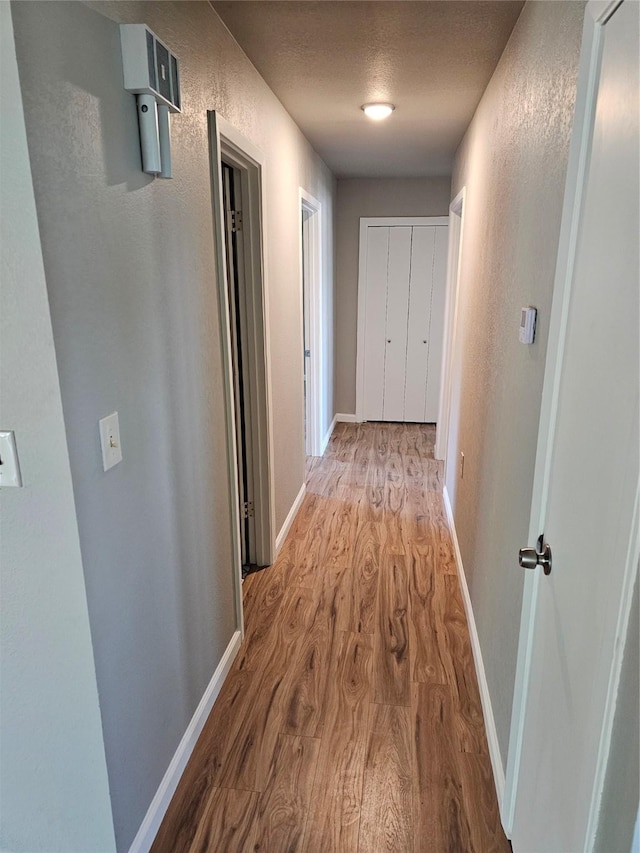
<point>396,326</point>
<point>405,279</point>
<point>375,322</point>
<point>418,322</point>
<point>436,325</point>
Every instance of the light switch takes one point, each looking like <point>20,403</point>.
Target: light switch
<point>110,441</point>
<point>9,465</point>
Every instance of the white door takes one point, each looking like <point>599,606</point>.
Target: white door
<point>306,329</point>
<point>425,324</point>
<point>574,619</point>
<point>401,315</point>
<point>395,337</point>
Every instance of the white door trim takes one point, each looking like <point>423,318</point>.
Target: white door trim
<point>597,13</point>
<point>309,203</point>
<point>456,232</point>
<point>226,142</point>
<point>369,222</point>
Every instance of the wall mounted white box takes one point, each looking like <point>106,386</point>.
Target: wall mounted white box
<point>150,68</point>
<point>110,441</point>
<point>9,465</point>
<point>527,330</point>
<point>152,74</point>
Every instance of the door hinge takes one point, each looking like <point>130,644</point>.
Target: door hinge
<point>247,509</point>
<point>236,221</point>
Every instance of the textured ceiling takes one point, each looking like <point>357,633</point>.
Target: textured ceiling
<point>431,58</point>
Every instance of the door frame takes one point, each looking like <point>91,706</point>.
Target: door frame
<point>454,263</point>
<point>227,144</point>
<point>597,14</point>
<point>312,266</point>
<point>370,222</point>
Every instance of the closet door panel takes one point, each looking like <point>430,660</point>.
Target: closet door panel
<point>418,337</point>
<point>437,325</point>
<point>375,321</point>
<point>396,325</point>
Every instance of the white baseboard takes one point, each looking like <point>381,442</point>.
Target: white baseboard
<point>328,435</point>
<point>290,517</point>
<point>338,418</point>
<point>485,698</point>
<point>160,803</point>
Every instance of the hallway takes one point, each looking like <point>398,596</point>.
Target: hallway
<point>351,719</point>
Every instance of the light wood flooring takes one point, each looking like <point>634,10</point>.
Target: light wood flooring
<point>351,719</point>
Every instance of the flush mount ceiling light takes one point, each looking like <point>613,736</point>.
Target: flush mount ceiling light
<point>377,111</point>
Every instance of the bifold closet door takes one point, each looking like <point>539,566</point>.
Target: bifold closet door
<point>404,311</point>
<point>425,323</point>
<point>397,309</point>
<point>375,324</point>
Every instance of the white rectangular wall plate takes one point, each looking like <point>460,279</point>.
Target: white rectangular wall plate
<point>9,464</point>
<point>527,330</point>
<point>110,441</point>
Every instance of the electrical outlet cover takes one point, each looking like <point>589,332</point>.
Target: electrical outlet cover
<point>9,464</point>
<point>110,441</point>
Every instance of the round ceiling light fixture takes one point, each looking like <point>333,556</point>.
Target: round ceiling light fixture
<point>378,111</point>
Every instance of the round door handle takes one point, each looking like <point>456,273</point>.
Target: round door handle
<point>388,340</point>
<point>424,342</point>
<point>530,558</point>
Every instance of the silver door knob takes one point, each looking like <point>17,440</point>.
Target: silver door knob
<point>530,558</point>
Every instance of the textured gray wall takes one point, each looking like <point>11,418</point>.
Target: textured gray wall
<point>131,275</point>
<point>622,783</point>
<point>512,161</point>
<point>53,776</point>
<point>369,197</point>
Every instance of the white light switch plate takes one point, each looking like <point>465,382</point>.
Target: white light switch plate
<point>110,441</point>
<point>9,465</point>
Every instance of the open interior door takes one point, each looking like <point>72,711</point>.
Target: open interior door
<point>587,470</point>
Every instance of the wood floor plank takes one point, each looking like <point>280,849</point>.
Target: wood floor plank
<point>252,596</point>
<point>365,571</point>
<point>269,586</point>
<point>438,531</point>
<point>229,823</point>
<point>305,685</point>
<point>284,803</point>
<point>427,634</point>
<point>351,717</point>
<point>392,664</point>
<point>190,800</point>
<point>334,818</point>
<point>387,814</point>
<point>310,504</point>
<point>413,521</point>
<point>441,822</point>
<point>245,765</point>
<point>339,534</point>
<point>303,550</point>
<point>395,541</point>
<point>468,720</point>
<point>481,806</point>
<point>374,491</point>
